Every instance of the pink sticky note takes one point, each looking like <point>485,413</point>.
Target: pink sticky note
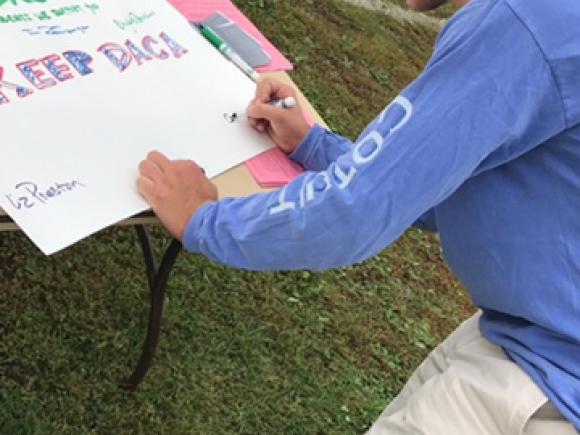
<point>198,10</point>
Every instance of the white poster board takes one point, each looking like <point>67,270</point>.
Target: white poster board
<point>108,81</point>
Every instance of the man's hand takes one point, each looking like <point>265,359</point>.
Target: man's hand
<point>286,126</point>
<point>174,189</point>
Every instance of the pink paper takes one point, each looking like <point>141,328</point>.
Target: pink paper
<point>273,168</point>
<point>198,10</point>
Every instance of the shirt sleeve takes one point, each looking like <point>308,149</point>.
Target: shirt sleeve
<point>320,148</point>
<point>427,222</point>
<point>472,100</point>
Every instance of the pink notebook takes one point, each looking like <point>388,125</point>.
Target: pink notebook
<point>198,10</point>
<point>273,168</point>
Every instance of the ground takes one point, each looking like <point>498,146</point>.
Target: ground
<point>241,352</point>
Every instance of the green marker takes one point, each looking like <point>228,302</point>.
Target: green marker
<point>230,54</point>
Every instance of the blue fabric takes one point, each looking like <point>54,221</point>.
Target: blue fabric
<point>483,146</point>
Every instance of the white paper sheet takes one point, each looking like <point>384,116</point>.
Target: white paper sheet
<point>70,149</point>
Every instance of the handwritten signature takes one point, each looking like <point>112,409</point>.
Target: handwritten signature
<point>15,2</point>
<point>30,194</point>
<point>133,19</point>
<point>56,30</point>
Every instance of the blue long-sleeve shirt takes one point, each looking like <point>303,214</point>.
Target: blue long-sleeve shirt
<point>484,147</point>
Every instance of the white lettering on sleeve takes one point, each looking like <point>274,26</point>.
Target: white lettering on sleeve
<point>317,185</point>
<point>303,191</point>
<point>406,105</point>
<point>283,204</point>
<point>364,152</point>
<point>378,140</point>
<point>344,178</point>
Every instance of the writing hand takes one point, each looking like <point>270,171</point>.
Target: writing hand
<point>287,127</point>
<point>174,189</point>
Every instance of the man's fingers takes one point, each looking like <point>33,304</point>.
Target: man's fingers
<point>260,111</point>
<point>189,170</point>
<point>150,170</point>
<point>264,90</point>
<point>258,124</point>
<point>268,89</point>
<point>261,126</point>
<point>159,159</point>
<point>146,187</point>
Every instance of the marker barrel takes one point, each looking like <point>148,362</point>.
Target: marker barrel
<point>230,54</point>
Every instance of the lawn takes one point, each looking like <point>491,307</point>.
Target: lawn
<point>240,352</point>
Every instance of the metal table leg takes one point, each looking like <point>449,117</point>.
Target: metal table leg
<point>157,278</point>
<point>148,254</point>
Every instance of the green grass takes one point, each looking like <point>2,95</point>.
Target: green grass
<point>240,352</point>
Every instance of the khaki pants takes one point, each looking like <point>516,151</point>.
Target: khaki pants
<point>468,386</point>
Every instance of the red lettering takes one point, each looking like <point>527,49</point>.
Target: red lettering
<point>60,72</point>
<point>137,53</point>
<point>147,43</point>
<point>35,76</point>
<point>118,56</point>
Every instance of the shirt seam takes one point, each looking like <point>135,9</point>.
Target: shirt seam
<point>546,61</point>
<point>433,61</point>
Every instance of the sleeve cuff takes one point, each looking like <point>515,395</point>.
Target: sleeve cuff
<point>191,239</point>
<point>308,145</point>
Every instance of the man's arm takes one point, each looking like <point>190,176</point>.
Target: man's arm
<point>471,101</point>
<point>320,148</point>
<point>313,147</point>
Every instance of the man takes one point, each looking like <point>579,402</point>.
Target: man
<point>483,147</point>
